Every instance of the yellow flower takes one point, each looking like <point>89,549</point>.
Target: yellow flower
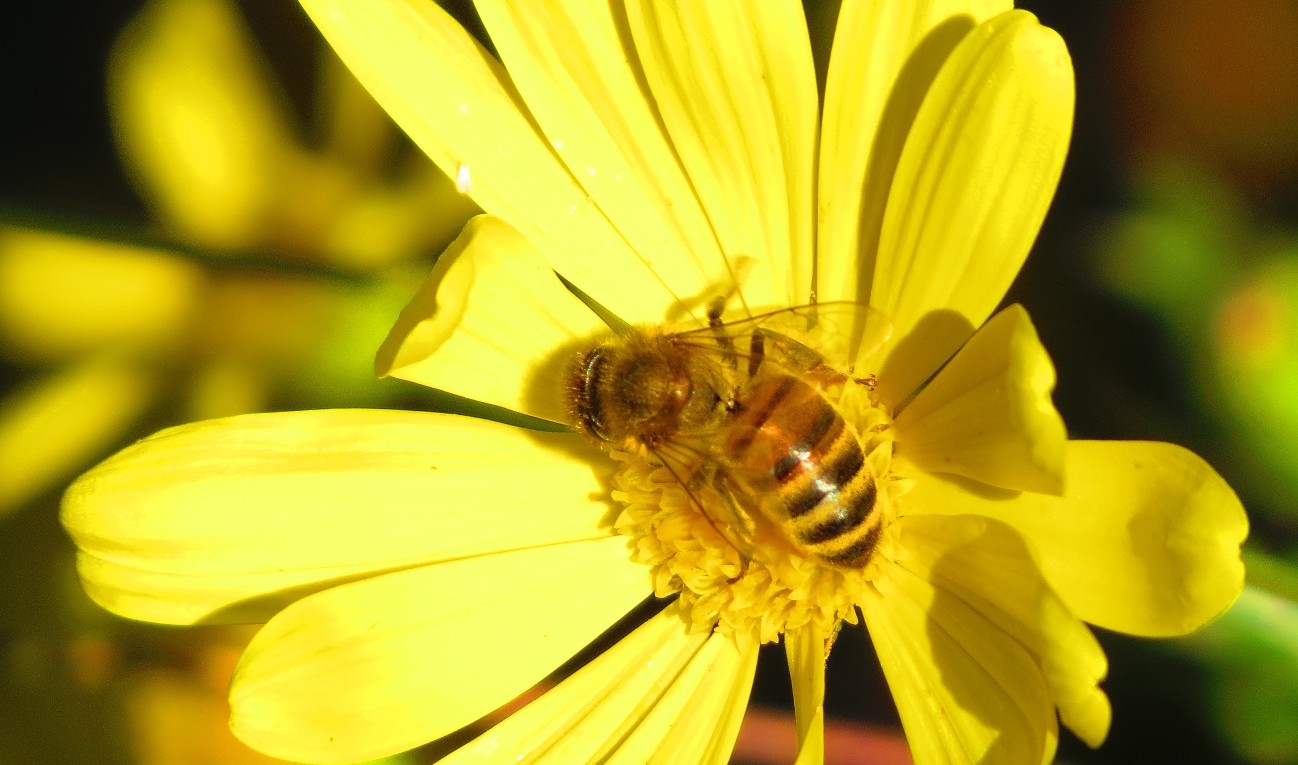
<point>106,326</point>
<point>637,160</point>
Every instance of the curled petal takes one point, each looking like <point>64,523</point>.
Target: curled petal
<point>806,650</point>
<point>492,323</point>
<point>987,565</point>
<point>811,749</point>
<point>1145,541</point>
<point>988,414</point>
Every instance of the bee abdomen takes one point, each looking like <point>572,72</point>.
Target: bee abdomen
<point>857,552</point>
<point>827,491</point>
<point>838,516</point>
<point>833,513</point>
<point>823,491</point>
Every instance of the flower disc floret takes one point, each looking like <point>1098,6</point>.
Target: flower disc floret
<point>768,588</point>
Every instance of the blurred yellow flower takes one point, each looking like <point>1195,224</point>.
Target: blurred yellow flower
<point>176,715</point>
<point>209,142</point>
<point>176,711</point>
<point>419,570</point>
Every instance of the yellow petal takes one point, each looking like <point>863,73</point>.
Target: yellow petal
<point>885,56</point>
<point>659,673</point>
<point>736,87</point>
<point>63,295</point>
<point>805,650</point>
<point>492,323</point>
<point>196,120</point>
<point>698,719</point>
<point>1146,541</point>
<point>811,751</point>
<point>460,107</point>
<point>988,414</point>
<point>581,86</point>
<point>172,598</point>
<point>966,691</point>
<point>376,667</point>
<point>51,428</point>
<point>978,171</point>
<point>986,564</point>
<point>226,514</point>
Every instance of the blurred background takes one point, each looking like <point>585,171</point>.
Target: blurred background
<point>202,214</point>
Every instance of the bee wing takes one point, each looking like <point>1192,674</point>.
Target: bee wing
<point>701,475</point>
<point>837,332</point>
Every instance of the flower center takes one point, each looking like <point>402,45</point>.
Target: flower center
<point>767,586</point>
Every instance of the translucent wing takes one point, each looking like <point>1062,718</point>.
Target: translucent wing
<point>711,491</point>
<point>839,332</point>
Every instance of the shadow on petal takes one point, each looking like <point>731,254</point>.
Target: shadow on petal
<point>917,356</point>
<point>907,94</point>
<point>991,676</point>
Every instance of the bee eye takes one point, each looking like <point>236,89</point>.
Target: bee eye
<point>590,411</point>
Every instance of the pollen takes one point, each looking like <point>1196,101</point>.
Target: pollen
<point>770,588</point>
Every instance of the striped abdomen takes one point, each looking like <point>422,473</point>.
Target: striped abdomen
<point>818,487</point>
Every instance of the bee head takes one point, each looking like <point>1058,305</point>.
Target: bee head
<point>630,387</point>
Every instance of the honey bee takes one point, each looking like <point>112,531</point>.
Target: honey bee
<point>738,410</point>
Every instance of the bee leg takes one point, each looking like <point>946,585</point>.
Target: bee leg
<point>731,522</point>
<point>756,353</point>
<point>715,308</point>
<point>748,562</point>
<point>736,526</point>
<point>700,480</point>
